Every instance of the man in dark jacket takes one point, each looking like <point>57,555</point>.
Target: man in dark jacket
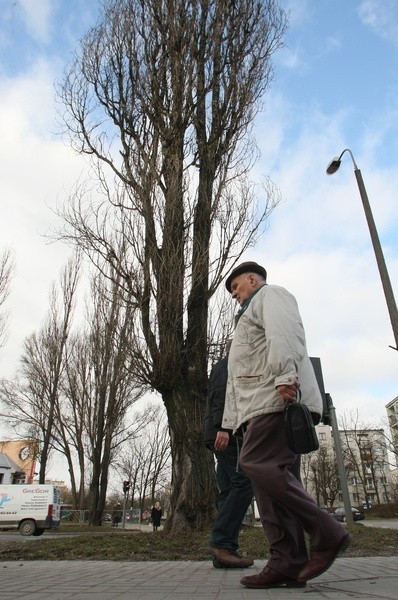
<point>235,490</point>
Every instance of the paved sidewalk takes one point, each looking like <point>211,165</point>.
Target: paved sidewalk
<point>365,578</point>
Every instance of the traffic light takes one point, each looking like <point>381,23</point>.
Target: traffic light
<point>126,486</point>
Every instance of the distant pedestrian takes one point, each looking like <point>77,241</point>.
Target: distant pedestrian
<point>146,515</point>
<point>117,514</point>
<point>156,515</point>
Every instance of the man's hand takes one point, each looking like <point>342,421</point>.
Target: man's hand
<point>222,440</point>
<point>288,392</point>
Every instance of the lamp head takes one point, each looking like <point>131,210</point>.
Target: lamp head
<point>334,165</point>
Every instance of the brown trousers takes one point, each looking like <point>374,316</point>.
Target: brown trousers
<point>286,510</point>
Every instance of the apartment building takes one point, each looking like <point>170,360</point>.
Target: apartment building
<point>365,457</point>
<point>392,415</point>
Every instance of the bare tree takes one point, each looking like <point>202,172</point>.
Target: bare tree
<point>325,477</point>
<point>146,460</point>
<point>161,96</point>
<point>6,270</point>
<point>98,388</point>
<point>367,457</point>
<point>113,386</point>
<point>390,442</point>
<point>73,390</point>
<point>351,446</point>
<point>161,452</point>
<point>71,415</point>
<point>305,471</point>
<point>33,397</point>
<point>394,490</point>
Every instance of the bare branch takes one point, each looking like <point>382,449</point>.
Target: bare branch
<point>6,272</point>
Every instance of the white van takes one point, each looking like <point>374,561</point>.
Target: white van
<point>29,508</point>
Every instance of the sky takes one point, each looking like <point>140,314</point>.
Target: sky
<point>335,87</point>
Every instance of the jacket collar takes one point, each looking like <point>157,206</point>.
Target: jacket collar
<point>247,301</point>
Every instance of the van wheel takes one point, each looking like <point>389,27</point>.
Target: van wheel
<point>39,531</point>
<point>27,527</point>
<point>344,519</point>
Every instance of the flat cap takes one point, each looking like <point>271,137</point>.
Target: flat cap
<point>246,267</point>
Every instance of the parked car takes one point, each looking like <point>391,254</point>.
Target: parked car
<point>339,514</point>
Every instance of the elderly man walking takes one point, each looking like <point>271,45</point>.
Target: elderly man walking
<point>268,362</point>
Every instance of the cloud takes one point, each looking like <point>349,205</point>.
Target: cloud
<point>333,42</point>
<point>37,171</point>
<point>382,17</point>
<point>318,246</point>
<point>291,59</point>
<point>17,113</point>
<point>299,12</point>
<point>36,15</point>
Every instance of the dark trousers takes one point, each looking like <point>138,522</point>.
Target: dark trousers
<point>286,510</point>
<point>235,495</point>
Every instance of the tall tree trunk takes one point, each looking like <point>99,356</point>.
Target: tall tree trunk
<point>193,486</point>
<point>164,93</point>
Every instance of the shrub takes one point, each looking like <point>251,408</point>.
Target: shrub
<point>383,511</point>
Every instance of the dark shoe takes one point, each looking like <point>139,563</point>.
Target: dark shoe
<point>234,553</point>
<point>268,578</point>
<point>320,561</point>
<point>226,559</point>
<point>218,564</point>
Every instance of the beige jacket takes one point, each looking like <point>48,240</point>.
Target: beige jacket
<point>268,349</point>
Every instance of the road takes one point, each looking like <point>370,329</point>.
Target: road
<point>16,536</point>
<point>388,524</point>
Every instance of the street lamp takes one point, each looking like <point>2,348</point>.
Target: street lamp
<point>381,263</point>
<point>339,459</point>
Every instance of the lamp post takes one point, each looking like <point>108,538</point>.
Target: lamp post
<point>340,460</point>
<point>381,263</point>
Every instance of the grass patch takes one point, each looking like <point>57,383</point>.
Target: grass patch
<point>133,545</point>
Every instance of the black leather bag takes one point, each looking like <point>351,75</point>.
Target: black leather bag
<point>300,430</point>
